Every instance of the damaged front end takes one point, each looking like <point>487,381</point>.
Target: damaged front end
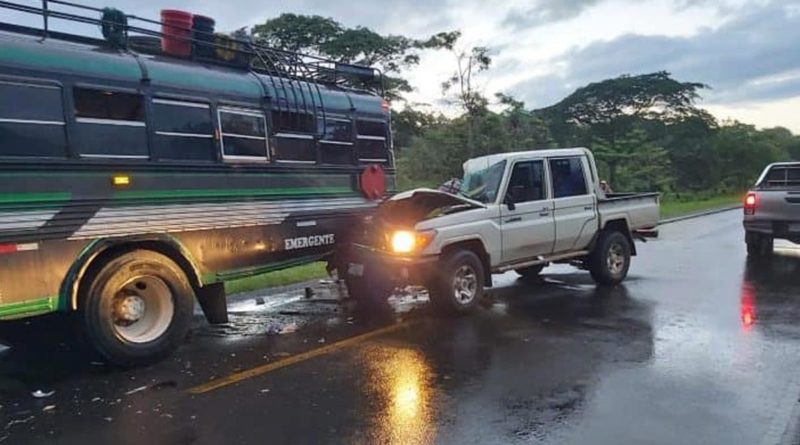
<point>387,250</point>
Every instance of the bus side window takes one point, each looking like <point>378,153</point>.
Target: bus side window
<point>183,130</point>
<point>336,142</point>
<point>31,120</point>
<point>244,134</point>
<point>109,124</point>
<point>294,137</point>
<point>372,143</point>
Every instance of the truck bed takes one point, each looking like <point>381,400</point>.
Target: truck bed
<point>640,210</point>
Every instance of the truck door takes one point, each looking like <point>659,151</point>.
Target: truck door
<point>527,230</point>
<point>573,202</point>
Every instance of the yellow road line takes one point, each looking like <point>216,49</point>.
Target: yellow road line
<point>288,361</point>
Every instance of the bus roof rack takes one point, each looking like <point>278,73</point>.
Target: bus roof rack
<point>140,34</point>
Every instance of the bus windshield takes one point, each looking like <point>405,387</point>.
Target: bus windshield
<point>481,182</point>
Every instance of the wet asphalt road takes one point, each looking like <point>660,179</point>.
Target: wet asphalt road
<point>696,347</point>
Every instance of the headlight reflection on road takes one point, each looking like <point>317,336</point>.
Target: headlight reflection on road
<point>403,380</point>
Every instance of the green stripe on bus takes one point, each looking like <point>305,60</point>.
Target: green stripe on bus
<point>27,308</point>
<point>187,193</point>
<point>257,270</point>
<point>13,198</point>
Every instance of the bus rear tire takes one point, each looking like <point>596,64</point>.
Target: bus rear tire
<point>137,308</point>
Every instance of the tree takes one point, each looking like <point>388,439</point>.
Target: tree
<point>633,163</point>
<point>613,107</point>
<point>463,90</point>
<point>742,152</point>
<point>328,38</point>
<point>461,83</point>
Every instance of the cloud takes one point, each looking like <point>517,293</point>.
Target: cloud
<point>546,11</point>
<point>753,57</point>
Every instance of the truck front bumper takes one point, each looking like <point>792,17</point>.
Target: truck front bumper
<point>374,264</point>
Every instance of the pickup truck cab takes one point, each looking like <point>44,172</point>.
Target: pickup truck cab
<point>772,208</point>
<point>515,211</point>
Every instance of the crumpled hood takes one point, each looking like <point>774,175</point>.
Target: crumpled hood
<point>410,207</point>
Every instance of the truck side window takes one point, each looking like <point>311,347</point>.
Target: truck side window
<point>527,182</point>
<point>568,177</point>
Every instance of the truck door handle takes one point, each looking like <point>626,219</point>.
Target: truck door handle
<point>588,208</point>
<point>544,213</point>
<point>515,219</point>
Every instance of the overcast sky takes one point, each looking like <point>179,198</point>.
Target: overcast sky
<point>748,51</point>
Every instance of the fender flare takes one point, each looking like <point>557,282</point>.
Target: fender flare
<point>162,243</point>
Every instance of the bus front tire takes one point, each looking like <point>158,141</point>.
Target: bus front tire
<point>137,308</point>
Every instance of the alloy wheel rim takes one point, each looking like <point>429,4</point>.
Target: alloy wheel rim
<point>465,285</point>
<point>615,260</point>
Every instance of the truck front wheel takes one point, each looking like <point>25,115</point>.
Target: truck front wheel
<point>610,259</point>
<point>458,287</point>
<point>137,308</point>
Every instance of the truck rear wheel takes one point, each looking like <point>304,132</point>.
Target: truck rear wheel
<point>137,308</point>
<point>609,261</point>
<point>759,245</point>
<point>458,288</point>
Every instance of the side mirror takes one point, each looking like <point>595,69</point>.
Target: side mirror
<point>509,201</point>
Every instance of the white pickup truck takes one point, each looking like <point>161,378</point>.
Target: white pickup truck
<point>515,211</point>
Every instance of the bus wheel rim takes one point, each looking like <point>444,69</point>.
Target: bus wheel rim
<point>142,309</point>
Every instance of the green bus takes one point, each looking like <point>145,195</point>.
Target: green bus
<point>133,181</point>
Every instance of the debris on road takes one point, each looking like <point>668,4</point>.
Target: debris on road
<point>39,394</point>
<point>48,408</point>
<point>18,421</point>
<point>259,301</point>
<point>265,390</point>
<point>275,329</point>
<point>135,390</point>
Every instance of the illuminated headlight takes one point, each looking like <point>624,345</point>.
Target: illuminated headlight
<point>407,241</point>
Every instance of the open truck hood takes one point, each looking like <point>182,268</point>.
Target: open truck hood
<point>410,207</point>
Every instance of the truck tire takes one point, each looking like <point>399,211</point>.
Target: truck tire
<point>610,259</point>
<point>530,273</point>
<point>458,287</point>
<point>137,308</point>
<point>759,245</point>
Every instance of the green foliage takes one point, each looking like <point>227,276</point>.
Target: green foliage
<point>633,163</point>
<point>613,107</point>
<point>326,37</point>
<point>437,153</point>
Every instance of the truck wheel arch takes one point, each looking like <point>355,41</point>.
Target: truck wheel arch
<point>476,246</point>
<point>618,225</point>
<point>98,252</point>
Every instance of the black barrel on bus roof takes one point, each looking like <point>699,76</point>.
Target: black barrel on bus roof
<point>203,33</point>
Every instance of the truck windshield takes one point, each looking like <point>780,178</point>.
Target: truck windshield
<point>481,182</point>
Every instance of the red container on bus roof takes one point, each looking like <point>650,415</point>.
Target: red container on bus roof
<point>176,28</point>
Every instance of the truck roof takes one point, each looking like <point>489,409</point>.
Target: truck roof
<point>527,154</point>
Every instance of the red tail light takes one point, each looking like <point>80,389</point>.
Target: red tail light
<point>750,204</point>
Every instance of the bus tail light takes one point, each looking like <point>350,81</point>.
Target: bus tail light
<point>750,204</point>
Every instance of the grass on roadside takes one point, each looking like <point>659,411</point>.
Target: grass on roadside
<point>671,209</point>
<point>284,277</point>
